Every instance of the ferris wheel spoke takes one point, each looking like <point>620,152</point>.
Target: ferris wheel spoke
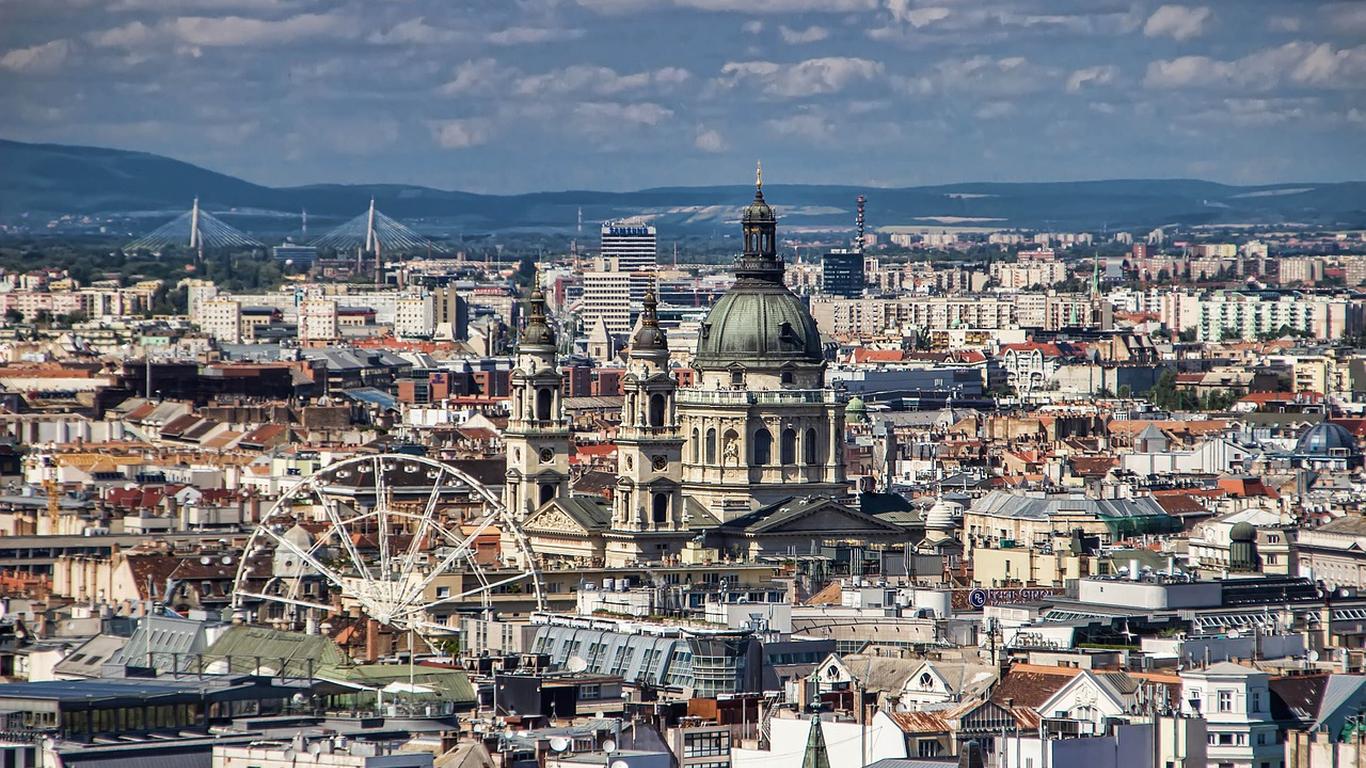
<point>286,600</point>
<point>381,510</point>
<point>307,557</point>
<point>485,587</point>
<point>460,549</point>
<point>429,509</point>
<point>345,535</point>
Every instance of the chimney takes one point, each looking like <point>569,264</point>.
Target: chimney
<point>371,640</point>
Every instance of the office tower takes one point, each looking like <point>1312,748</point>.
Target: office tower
<point>629,247</point>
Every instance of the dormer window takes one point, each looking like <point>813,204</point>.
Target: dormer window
<point>737,377</point>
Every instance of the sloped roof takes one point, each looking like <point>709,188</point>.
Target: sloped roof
<point>285,652</point>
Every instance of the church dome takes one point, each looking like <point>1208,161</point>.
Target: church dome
<point>1326,439</point>
<point>1243,531</point>
<point>759,323</point>
<point>537,332</point>
<point>856,410</point>
<point>940,517</point>
<point>758,327</point>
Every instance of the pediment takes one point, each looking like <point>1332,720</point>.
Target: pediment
<point>551,519</point>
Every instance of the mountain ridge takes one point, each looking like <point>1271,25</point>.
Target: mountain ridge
<point>55,179</point>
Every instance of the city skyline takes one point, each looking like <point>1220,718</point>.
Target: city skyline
<point>627,94</point>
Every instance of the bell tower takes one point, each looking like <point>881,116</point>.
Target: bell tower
<point>537,435</point>
<point>649,495</point>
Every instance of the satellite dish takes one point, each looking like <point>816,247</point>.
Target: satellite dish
<point>609,745</point>
<point>576,664</point>
<point>1313,656</point>
<point>620,764</point>
<point>559,743</point>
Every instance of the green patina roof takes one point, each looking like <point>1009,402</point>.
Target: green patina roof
<point>758,326</point>
<point>445,684</point>
<point>288,653</point>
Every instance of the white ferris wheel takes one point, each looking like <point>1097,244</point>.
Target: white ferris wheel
<point>411,542</point>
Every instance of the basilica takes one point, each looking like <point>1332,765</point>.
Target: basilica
<point>747,462</point>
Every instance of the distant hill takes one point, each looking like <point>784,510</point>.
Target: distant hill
<point>47,179</point>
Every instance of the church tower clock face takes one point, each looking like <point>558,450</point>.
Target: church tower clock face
<point>547,455</point>
<point>660,463</point>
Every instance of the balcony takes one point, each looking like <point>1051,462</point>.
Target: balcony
<point>740,397</point>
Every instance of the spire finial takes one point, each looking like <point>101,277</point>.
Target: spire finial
<point>759,175</point>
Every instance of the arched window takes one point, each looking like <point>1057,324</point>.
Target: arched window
<point>763,447</point>
<point>711,445</point>
<point>547,492</point>
<point>660,508</point>
<point>696,446</point>
<point>543,400</point>
<point>810,448</point>
<point>656,415</point>
<point>789,448</point>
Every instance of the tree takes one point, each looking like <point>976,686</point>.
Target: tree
<point>13,316</point>
<point>1125,391</point>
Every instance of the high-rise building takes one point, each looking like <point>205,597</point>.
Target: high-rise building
<point>318,320</point>
<point>842,273</point>
<point>628,247</point>
<point>221,319</point>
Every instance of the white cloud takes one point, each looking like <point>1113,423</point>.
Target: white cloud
<point>1009,76</point>
<point>1101,75</point>
<point>211,31</point>
<point>531,35</point>
<point>475,75</point>
<point>1300,63</point>
<point>807,78</point>
<point>48,57</point>
<point>129,35</point>
<point>1347,17</point>
<point>733,6</point>
<point>709,140</point>
<point>608,118</point>
<point>811,34</point>
<point>461,133</point>
<point>752,27</point>
<point>810,126</point>
<point>903,11</point>
<point>414,32</point>
<point>1179,22</point>
<point>602,81</point>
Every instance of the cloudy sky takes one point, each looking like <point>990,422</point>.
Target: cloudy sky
<point>518,95</point>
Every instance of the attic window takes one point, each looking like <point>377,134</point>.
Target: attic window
<point>786,376</point>
<point>737,377</point>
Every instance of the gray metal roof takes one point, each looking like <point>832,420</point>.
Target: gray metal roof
<point>1005,504</point>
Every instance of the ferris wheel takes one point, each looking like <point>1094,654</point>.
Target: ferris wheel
<point>411,542</point>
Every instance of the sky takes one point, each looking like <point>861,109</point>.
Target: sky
<point>512,96</point>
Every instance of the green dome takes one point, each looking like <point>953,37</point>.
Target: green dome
<point>758,325</point>
<point>1243,531</point>
<point>856,410</point>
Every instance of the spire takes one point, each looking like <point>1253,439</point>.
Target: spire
<point>816,754</point>
<point>649,341</point>
<point>537,331</point>
<point>760,258</point>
